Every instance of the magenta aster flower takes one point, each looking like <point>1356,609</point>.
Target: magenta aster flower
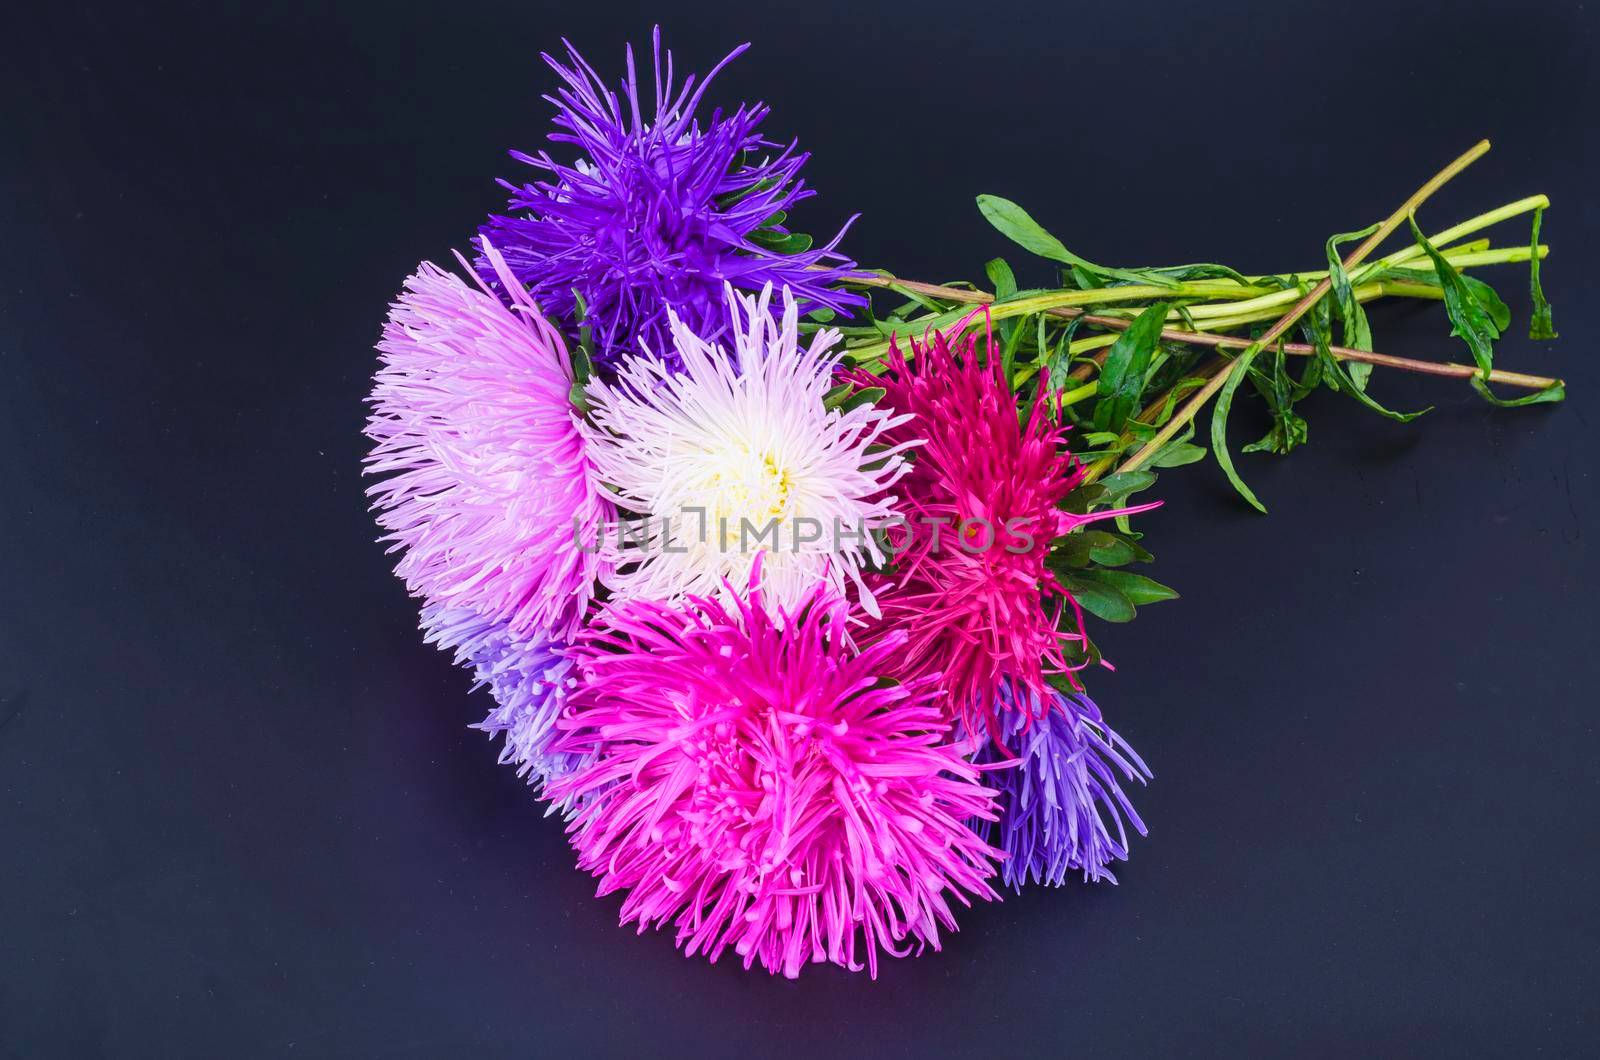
<point>761,787</point>
<point>658,210</point>
<point>488,485</point>
<point>972,594</point>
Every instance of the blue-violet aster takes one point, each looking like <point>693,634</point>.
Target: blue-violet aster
<point>530,678</point>
<point>658,211</point>
<point>1062,806</point>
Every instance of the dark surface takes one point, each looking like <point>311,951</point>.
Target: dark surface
<point>241,812</point>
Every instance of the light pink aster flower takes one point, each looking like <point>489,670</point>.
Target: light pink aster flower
<point>487,481</point>
<point>737,455</point>
<point>761,788</point>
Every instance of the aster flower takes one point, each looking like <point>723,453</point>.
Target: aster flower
<point>658,211</point>
<point>1062,806</point>
<point>761,788</point>
<point>738,455</point>
<point>488,483</point>
<point>972,589</point>
<point>530,679</point>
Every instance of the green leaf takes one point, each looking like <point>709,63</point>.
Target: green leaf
<point>581,370</point>
<point>1487,297</point>
<point>1288,427</point>
<point>1014,223</point>
<point>1083,279</point>
<point>1114,489</point>
<point>1101,600</point>
<point>1554,392</point>
<point>1177,454</point>
<point>781,242</point>
<point>1082,547</point>
<point>1357,332</point>
<point>1061,358</point>
<point>1469,318</point>
<point>1315,325</point>
<point>1138,589</point>
<point>1202,271</point>
<point>1541,326</point>
<point>1111,551</point>
<point>1122,376</point>
<point>582,367</point>
<point>1003,279</point>
<point>1219,424</point>
<point>851,398</point>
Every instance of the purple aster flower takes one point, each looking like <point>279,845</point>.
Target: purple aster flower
<point>658,211</point>
<point>530,678</point>
<point>1062,807</point>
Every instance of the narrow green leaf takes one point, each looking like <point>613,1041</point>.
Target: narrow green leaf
<point>1357,332</point>
<point>1219,424</point>
<point>1468,317</point>
<point>1083,279</point>
<point>1315,325</point>
<point>1061,358</point>
<point>1119,487</point>
<point>1177,454</point>
<point>1552,393</point>
<point>781,242</point>
<point>1111,553</point>
<point>1014,223</point>
<point>1136,587</point>
<point>1122,376</point>
<point>1202,271</point>
<point>1288,427</point>
<point>1101,600</point>
<point>1541,326</point>
<point>1491,301</point>
<point>1001,276</point>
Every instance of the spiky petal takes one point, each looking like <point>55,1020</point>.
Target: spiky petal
<point>658,211</point>
<point>738,455</point>
<point>759,786</point>
<point>1062,803</point>
<point>488,490</point>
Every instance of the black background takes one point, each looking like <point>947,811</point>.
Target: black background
<point>240,810</point>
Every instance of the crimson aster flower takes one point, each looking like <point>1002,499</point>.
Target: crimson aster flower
<point>757,784</point>
<point>658,210</point>
<point>487,485</point>
<point>971,590</point>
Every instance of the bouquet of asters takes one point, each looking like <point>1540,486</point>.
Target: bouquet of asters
<point>783,572</point>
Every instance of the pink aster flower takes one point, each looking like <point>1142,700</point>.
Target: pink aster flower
<point>972,595</point>
<point>762,788</point>
<point>488,484</point>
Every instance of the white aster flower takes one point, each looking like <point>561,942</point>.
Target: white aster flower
<point>738,456</point>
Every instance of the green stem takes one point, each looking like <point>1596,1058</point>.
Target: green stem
<point>1233,371</point>
<point>1088,390</point>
